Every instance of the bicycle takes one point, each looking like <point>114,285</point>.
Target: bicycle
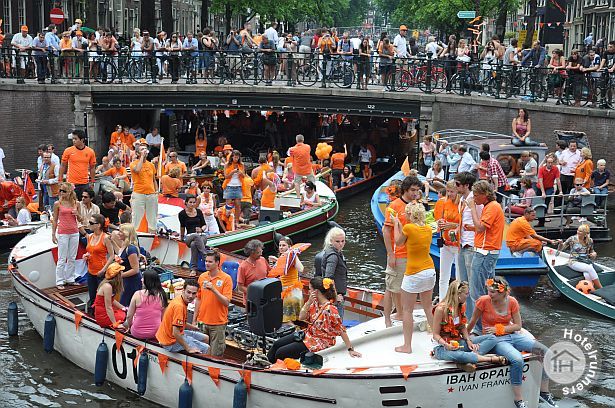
<point>107,70</point>
<point>222,71</point>
<point>527,81</point>
<point>431,81</point>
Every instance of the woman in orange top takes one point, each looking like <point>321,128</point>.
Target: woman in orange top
<point>269,191</point>
<point>117,137</point>
<point>234,172</point>
<point>585,169</point>
<point>99,254</point>
<point>446,214</point>
<point>420,276</point>
<point>67,53</point>
<point>171,183</point>
<point>201,142</point>
<point>287,267</point>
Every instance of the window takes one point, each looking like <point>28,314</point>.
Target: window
<point>6,22</point>
<point>126,21</point>
<point>21,12</point>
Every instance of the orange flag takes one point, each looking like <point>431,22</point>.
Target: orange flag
<point>321,371</point>
<point>405,167</point>
<point>163,361</point>
<point>119,338</point>
<point>214,374</point>
<point>358,369</point>
<point>407,369</point>
<point>78,316</point>
<point>143,225</point>
<point>352,294</point>
<point>139,351</point>
<point>182,248</point>
<point>376,299</point>
<point>187,370</point>
<point>161,159</point>
<point>247,377</point>
<point>155,242</point>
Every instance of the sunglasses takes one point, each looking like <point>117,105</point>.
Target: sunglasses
<point>206,188</point>
<point>458,184</point>
<point>578,185</point>
<point>85,196</point>
<point>94,223</point>
<point>63,191</point>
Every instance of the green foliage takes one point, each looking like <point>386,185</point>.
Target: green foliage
<point>353,15</point>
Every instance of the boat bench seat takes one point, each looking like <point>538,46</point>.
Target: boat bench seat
<point>607,293</point>
<point>570,273</point>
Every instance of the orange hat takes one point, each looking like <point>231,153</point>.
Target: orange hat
<point>78,32</point>
<point>227,147</point>
<point>113,270</point>
<point>141,142</point>
<point>403,27</point>
<point>24,28</point>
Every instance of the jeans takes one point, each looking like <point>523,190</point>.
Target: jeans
<point>448,256</point>
<point>67,252</point>
<point>196,242</point>
<point>511,346</point>
<point>463,264</point>
<point>193,339</point>
<point>287,346</point>
<point>340,308</point>
<point>144,205</point>
<point>548,192</point>
<point>483,268</point>
<point>41,67</point>
<point>463,354</point>
<point>93,282</point>
<point>527,142</point>
<point>602,191</point>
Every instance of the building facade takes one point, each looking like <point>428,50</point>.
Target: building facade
<point>589,16</point>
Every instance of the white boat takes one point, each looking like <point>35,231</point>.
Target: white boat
<point>10,235</point>
<point>376,379</point>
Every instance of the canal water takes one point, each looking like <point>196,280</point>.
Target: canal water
<point>30,377</point>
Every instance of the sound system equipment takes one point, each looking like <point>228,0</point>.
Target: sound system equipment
<point>264,306</point>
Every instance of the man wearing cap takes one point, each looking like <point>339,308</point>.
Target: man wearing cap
<point>400,43</point>
<point>80,45</point>
<point>22,42</point>
<point>144,200</point>
<point>76,27</point>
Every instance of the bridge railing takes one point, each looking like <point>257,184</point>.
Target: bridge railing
<point>261,68</point>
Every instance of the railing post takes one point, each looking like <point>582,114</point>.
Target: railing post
<point>498,78</point>
<point>323,72</point>
<point>393,76</point>
<point>428,73</point>
<point>20,80</point>
<point>120,66</point>
<point>86,67</point>
<point>289,69</point>
<point>256,67</point>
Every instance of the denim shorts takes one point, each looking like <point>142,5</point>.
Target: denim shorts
<point>233,193</point>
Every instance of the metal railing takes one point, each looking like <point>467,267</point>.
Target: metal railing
<point>419,74</point>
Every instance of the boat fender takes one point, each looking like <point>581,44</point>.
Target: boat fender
<point>240,395</point>
<point>333,224</point>
<point>13,319</point>
<point>142,379</point>
<point>50,333</point>
<point>185,395</point>
<point>100,367</point>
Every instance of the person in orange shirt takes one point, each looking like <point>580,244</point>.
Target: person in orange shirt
<point>171,183</point>
<point>247,186</point>
<point>144,200</point>
<point>253,268</point>
<point>396,254</point>
<point>302,163</point>
<point>117,137</point>
<point>172,333</point>
<point>79,164</point>
<point>489,231</point>
<point>129,138</point>
<point>269,191</point>
<point>226,216</point>
<point>521,237</point>
<point>119,174</point>
<point>585,169</point>
<point>258,174</point>
<point>446,213</point>
<point>201,142</point>
<point>174,162</point>
<point>338,160</point>
<point>212,301</point>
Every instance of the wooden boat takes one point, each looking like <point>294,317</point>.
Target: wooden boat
<point>301,223</point>
<point>601,301</point>
<point>382,170</point>
<point>521,272</point>
<point>380,378</point>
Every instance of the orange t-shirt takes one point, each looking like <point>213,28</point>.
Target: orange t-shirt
<point>449,211</point>
<point>116,137</point>
<point>268,198</point>
<point>399,206</point>
<point>180,165</point>
<point>492,218</point>
<point>260,173</point>
<point>418,242</point>
<point>211,311</point>
<point>201,146</point>
<point>98,254</point>
<point>490,317</point>
<point>246,189</point>
<point>584,171</point>
<point>79,163</point>
<point>143,181</point>
<point>130,140</point>
<point>175,315</point>
<point>113,171</point>
<point>519,229</point>
<point>170,185</point>
<point>302,162</point>
<point>337,161</point>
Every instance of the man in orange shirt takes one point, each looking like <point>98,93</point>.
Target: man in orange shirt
<point>119,175</point>
<point>253,268</point>
<point>396,254</point>
<point>175,163</point>
<point>521,237</point>
<point>212,301</point>
<point>171,183</point>
<point>80,162</point>
<point>489,230</point>
<point>338,160</point>
<point>144,200</point>
<point>129,138</point>
<point>302,163</point>
<point>172,333</point>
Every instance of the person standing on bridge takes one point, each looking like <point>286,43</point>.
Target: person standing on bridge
<point>144,200</point>
<point>78,163</point>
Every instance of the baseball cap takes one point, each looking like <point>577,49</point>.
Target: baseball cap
<point>24,28</point>
<point>402,27</point>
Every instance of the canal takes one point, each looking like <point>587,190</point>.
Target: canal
<point>30,377</point>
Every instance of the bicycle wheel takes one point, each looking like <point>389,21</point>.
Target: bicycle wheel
<point>342,75</point>
<point>107,72</point>
<point>307,74</point>
<point>140,71</point>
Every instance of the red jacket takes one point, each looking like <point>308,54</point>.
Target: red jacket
<point>9,192</point>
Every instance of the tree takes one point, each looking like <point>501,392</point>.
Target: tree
<point>204,14</point>
<point>353,15</point>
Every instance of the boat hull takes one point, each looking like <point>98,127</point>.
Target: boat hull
<point>344,193</point>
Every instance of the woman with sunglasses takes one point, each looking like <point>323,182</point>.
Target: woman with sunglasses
<point>65,233</point>
<point>500,315</point>
<point>582,254</point>
<point>127,247</point>
<point>207,202</point>
<point>451,332</point>
<point>108,312</point>
<point>99,254</point>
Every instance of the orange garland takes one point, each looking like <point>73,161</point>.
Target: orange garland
<point>500,329</point>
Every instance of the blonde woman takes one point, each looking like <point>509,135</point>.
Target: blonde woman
<point>334,264</point>
<point>585,169</point>
<point>420,275</point>
<point>23,215</point>
<point>582,254</point>
<point>129,253</point>
<point>65,233</point>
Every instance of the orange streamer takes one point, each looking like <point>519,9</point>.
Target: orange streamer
<point>119,338</point>
<point>376,299</point>
<point>247,377</point>
<point>78,316</point>
<point>214,374</point>
<point>139,351</point>
<point>352,294</point>
<point>358,369</point>
<point>187,370</point>
<point>407,369</point>
<point>156,242</point>
<point>163,361</point>
<point>143,225</point>
<point>182,248</point>
<point>321,371</point>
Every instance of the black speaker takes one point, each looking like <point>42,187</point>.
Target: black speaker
<point>264,307</point>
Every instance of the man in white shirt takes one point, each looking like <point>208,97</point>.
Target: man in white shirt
<point>465,181</point>
<point>22,42</point>
<point>569,160</point>
<point>432,49</point>
<point>400,42</point>
<point>272,33</point>
<point>467,161</point>
<point>154,140</point>
<point>356,41</point>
